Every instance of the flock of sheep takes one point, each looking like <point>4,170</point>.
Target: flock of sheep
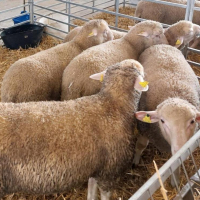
<point>69,113</point>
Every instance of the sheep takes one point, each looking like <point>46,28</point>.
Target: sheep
<point>75,82</point>
<point>38,77</point>
<point>184,32</point>
<point>75,31</point>
<point>73,87</point>
<point>51,147</point>
<point>165,13</point>
<point>51,22</point>
<point>178,34</point>
<point>172,100</point>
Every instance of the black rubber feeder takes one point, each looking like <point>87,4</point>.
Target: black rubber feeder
<point>25,36</point>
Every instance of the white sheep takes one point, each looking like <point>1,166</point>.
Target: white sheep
<point>165,13</point>
<point>178,34</point>
<point>58,25</point>
<point>182,33</point>
<point>172,100</point>
<point>52,147</point>
<point>75,81</point>
<point>75,31</point>
<point>38,77</point>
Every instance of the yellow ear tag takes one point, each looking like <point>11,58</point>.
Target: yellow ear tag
<point>178,42</point>
<point>144,83</point>
<point>101,78</point>
<point>91,34</point>
<point>147,119</point>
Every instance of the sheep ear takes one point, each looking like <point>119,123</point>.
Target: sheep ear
<point>197,117</point>
<point>179,42</point>
<point>140,84</point>
<point>144,34</point>
<point>147,116</point>
<point>98,76</point>
<point>93,33</point>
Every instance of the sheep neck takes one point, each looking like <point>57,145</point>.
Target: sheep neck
<point>81,43</point>
<point>125,99</point>
<point>137,43</point>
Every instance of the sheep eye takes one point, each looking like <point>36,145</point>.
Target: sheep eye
<point>162,121</point>
<point>192,122</point>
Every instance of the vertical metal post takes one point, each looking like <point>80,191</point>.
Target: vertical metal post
<point>69,12</point>
<point>116,11</point>
<point>31,2</point>
<point>93,5</point>
<point>24,1</point>
<point>124,3</point>
<point>187,13</point>
<point>191,10</point>
<point>188,17</point>
<point>66,7</point>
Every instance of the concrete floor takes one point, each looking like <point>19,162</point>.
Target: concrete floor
<point>8,4</point>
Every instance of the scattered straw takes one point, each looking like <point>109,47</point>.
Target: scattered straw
<point>162,189</point>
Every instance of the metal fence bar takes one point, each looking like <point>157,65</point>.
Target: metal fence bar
<point>194,50</point>
<point>193,63</point>
<point>92,9</point>
<point>168,3</point>
<point>57,4</point>
<point>195,165</point>
<point>153,183</point>
<point>173,176</point>
<point>56,20</point>
<point>69,12</point>
<point>187,177</point>
<point>191,10</point>
<point>56,29</point>
<point>116,11</point>
<point>56,11</point>
<point>18,24</point>
<point>9,18</point>
<point>31,10</point>
<point>14,8</point>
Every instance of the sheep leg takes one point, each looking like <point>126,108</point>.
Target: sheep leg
<point>92,189</point>
<point>176,176</point>
<point>141,145</point>
<point>105,195</point>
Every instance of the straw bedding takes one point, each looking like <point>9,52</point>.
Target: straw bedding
<point>136,176</point>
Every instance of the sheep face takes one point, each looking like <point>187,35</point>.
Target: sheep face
<point>182,33</point>
<point>177,121</point>
<point>152,32</point>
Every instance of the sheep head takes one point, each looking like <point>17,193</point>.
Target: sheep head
<point>177,120</point>
<point>93,33</point>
